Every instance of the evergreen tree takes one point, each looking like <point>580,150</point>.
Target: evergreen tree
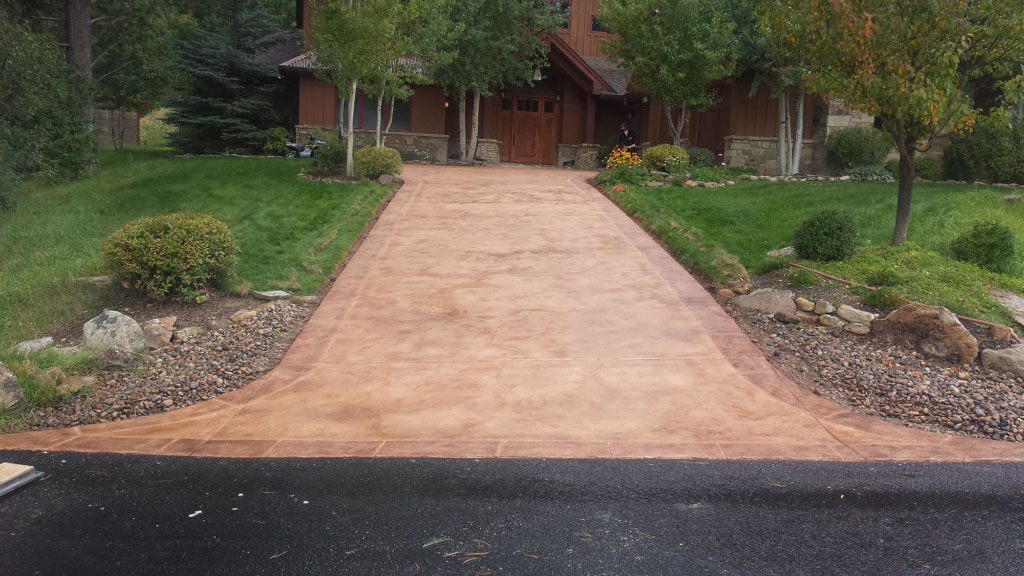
<point>227,103</point>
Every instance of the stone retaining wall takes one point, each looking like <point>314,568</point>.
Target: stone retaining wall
<point>411,145</point>
<point>763,154</point>
<point>583,156</point>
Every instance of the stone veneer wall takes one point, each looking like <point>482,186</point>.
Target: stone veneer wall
<point>763,154</point>
<point>488,149</point>
<point>584,156</point>
<point>842,116</point>
<point>411,145</point>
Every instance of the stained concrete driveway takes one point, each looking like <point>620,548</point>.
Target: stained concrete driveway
<point>516,312</point>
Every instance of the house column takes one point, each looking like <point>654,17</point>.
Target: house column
<point>591,119</point>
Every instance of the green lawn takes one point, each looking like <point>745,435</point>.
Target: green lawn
<point>287,228</point>
<point>751,218</point>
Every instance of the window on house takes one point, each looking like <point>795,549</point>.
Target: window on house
<point>595,26</point>
<point>403,116</point>
<point>366,113</point>
<point>564,8</point>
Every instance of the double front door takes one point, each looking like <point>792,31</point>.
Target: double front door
<point>529,127</point>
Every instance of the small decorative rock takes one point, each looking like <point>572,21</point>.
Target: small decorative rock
<point>159,332</point>
<point>219,324</point>
<point>787,251</point>
<point>690,184</point>
<point>767,301</point>
<point>824,307</point>
<point>858,328</point>
<point>1013,302</point>
<point>1009,360</point>
<point>386,179</point>
<point>1012,198</point>
<point>74,384</point>
<point>186,334</point>
<point>116,357</point>
<point>851,314</point>
<point>37,345</point>
<point>97,280</point>
<point>787,318</point>
<point>807,318</point>
<point>831,321</point>
<point>271,295</point>
<point>11,394</point>
<point>306,300</point>
<point>726,293</point>
<point>243,315</point>
<point>804,305</point>
<point>1002,333</point>
<point>113,329</point>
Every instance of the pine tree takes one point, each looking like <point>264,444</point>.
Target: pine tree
<point>228,102</point>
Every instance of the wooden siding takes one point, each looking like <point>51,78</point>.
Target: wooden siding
<point>574,115</point>
<point>427,110</point>
<point>317,103</point>
<point>579,35</point>
<point>758,114</point>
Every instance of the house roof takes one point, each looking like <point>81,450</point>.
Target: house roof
<point>616,77</point>
<point>283,50</point>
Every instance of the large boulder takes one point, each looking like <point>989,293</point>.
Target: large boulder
<point>11,394</point>
<point>112,329</point>
<point>1009,360</point>
<point>768,301</point>
<point>933,330</point>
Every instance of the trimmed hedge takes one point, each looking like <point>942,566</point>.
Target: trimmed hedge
<point>181,254</point>
<point>857,146</point>
<point>827,236</point>
<point>988,244</point>
<point>666,158</point>
<point>373,162</point>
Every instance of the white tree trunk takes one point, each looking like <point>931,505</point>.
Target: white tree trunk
<point>462,124</point>
<point>391,118</point>
<point>380,119</point>
<point>675,129</point>
<point>783,162</point>
<point>798,131</point>
<point>474,134</point>
<point>350,133</point>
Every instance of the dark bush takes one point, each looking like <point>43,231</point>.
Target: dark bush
<point>992,152</point>
<point>666,158</point>
<point>330,160</point>
<point>988,244</point>
<point>175,254</point>
<point>828,235</point>
<point>9,183</point>
<point>928,168</point>
<point>892,166</point>
<point>857,146</point>
<point>373,162</point>
<point>701,158</point>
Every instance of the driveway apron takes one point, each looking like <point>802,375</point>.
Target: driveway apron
<point>516,312</point>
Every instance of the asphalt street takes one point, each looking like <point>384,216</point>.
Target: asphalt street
<point>146,515</point>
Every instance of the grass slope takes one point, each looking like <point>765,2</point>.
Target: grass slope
<point>288,229</point>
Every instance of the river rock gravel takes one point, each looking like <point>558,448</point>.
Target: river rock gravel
<point>207,365</point>
<point>890,382</point>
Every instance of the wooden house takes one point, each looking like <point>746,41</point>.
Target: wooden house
<point>573,110</point>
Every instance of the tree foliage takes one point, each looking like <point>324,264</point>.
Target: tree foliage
<point>908,63</point>
<point>42,130</point>
<point>675,50</point>
<point>226,104</point>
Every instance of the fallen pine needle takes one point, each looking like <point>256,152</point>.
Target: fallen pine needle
<point>586,537</point>
<point>352,551</point>
<point>468,560</point>
<point>437,541</point>
<point>477,553</point>
<point>450,554</point>
<point>278,555</point>
<point>645,534</point>
<point>481,543</point>
<point>534,556</point>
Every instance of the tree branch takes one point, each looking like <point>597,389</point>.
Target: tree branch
<point>133,61</point>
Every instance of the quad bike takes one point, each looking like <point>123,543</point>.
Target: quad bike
<point>307,150</point>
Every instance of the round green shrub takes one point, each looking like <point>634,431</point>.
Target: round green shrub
<point>330,160</point>
<point>375,161</point>
<point>175,254</point>
<point>988,244</point>
<point>827,236</point>
<point>666,158</point>
<point>993,152</point>
<point>276,139</point>
<point>857,146</point>
<point>928,168</point>
<point>701,158</point>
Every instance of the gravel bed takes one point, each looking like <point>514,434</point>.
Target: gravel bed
<point>205,366</point>
<point>890,382</point>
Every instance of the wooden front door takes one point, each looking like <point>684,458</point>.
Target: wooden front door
<point>529,124</point>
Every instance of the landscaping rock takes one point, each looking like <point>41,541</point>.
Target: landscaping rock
<point>767,301</point>
<point>787,251</point>
<point>690,184</point>
<point>824,307</point>
<point>97,280</point>
<point>1013,302</point>
<point>804,305</point>
<point>1012,198</point>
<point>219,324</point>
<point>1002,333</point>
<point>11,394</point>
<point>306,300</point>
<point>159,332</point>
<point>67,350</point>
<point>113,329</point>
<point>74,384</point>
<point>243,315</point>
<point>726,293</point>
<point>787,318</point>
<point>807,318</point>
<point>1007,360</point>
<point>38,345</point>
<point>851,314</point>
<point>115,357</point>
<point>53,377</point>
<point>831,321</point>
<point>858,328</point>
<point>386,179</point>
<point>271,295</point>
<point>933,330</point>
<point>186,334</point>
